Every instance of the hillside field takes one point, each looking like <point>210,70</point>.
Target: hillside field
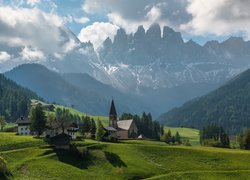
<point>186,134</point>
<point>134,159</point>
<point>104,119</point>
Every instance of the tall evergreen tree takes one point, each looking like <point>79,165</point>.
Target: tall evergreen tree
<point>178,138</point>
<point>162,130</point>
<point>92,128</point>
<point>63,117</point>
<point>99,131</point>
<point>168,137</point>
<point>38,120</point>
<point>244,139</point>
<point>2,122</point>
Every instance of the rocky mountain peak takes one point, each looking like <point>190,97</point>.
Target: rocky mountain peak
<point>154,32</point>
<point>140,34</point>
<point>170,36</point>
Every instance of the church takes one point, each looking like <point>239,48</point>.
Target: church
<point>123,129</point>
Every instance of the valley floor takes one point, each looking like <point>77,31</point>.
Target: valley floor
<point>30,158</point>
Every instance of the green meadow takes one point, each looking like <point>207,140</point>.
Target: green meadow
<point>186,134</point>
<point>31,158</point>
<point>104,119</point>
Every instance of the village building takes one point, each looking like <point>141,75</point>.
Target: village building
<point>55,129</point>
<point>51,130</point>
<point>61,141</point>
<point>123,129</point>
<point>23,127</point>
<point>46,107</point>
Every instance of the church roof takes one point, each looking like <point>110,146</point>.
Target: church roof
<point>112,108</point>
<point>124,124</point>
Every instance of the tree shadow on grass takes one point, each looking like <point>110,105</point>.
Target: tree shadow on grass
<point>114,159</point>
<point>73,159</point>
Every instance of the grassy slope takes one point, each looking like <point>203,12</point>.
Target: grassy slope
<point>9,141</point>
<point>127,160</point>
<point>186,133</point>
<point>104,119</point>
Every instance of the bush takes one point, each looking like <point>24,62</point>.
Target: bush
<point>11,129</point>
<point>186,143</point>
<point>244,139</point>
<point>79,138</point>
<point>112,138</point>
<point>87,135</point>
<point>213,143</point>
<point>4,171</point>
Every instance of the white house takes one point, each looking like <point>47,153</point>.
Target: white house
<point>50,131</point>
<point>23,126</point>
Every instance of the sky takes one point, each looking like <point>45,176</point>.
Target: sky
<point>36,22</point>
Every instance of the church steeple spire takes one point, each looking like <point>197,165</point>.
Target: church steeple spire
<point>112,109</point>
<point>113,116</point>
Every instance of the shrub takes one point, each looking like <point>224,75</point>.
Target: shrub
<point>244,139</point>
<point>186,143</point>
<point>4,171</point>
<point>112,138</point>
<point>79,138</point>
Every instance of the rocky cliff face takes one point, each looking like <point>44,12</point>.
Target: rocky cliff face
<point>158,59</point>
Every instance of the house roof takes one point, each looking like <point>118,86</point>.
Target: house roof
<point>61,139</point>
<point>56,125</point>
<point>124,124</point>
<point>110,129</point>
<point>112,109</point>
<point>23,120</point>
<point>48,106</point>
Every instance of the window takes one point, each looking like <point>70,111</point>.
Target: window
<point>21,133</point>
<point>25,133</point>
<point>21,129</point>
<point>26,129</point>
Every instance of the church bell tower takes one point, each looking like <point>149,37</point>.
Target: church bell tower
<point>113,116</point>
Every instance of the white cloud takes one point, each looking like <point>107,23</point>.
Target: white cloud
<point>154,14</point>
<point>219,17</point>
<point>32,54</point>
<point>33,2</point>
<point>4,56</point>
<point>70,45</point>
<point>91,6</point>
<point>30,28</point>
<point>142,12</point>
<point>97,33</point>
<point>81,20</point>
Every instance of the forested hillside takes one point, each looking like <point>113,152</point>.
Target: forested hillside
<point>14,99</point>
<point>228,106</point>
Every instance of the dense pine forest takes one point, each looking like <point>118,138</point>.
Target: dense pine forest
<point>227,106</point>
<point>14,99</point>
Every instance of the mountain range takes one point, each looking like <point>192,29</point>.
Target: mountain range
<point>153,70</point>
<point>227,106</point>
<point>79,90</point>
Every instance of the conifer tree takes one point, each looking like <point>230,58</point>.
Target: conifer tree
<point>178,138</point>
<point>38,120</point>
<point>244,139</point>
<point>92,128</point>
<point>2,122</point>
<point>99,131</point>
